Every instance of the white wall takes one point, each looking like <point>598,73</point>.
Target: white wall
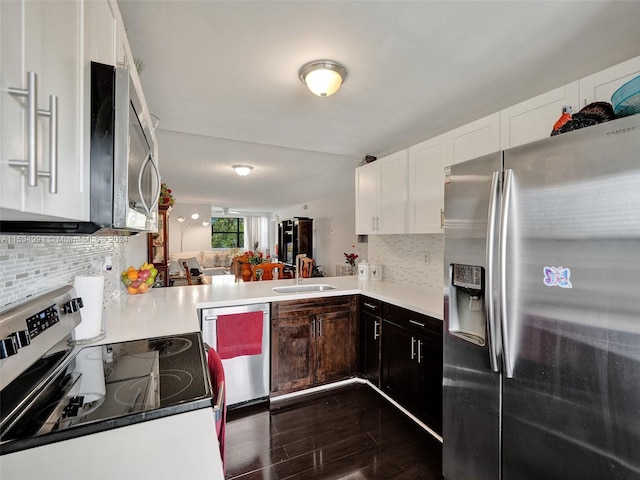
<point>195,237</point>
<point>334,229</point>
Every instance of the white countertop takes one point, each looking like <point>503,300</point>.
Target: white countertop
<point>173,310</point>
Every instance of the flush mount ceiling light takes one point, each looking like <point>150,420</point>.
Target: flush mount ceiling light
<point>243,170</point>
<point>323,77</point>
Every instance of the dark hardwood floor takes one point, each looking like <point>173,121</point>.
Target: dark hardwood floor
<point>348,433</point>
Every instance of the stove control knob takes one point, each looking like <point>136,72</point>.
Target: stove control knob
<point>8,347</point>
<point>22,338</point>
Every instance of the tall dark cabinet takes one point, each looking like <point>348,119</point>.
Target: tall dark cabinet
<point>295,236</point>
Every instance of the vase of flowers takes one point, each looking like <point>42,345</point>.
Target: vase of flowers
<point>351,258</point>
<point>166,198</point>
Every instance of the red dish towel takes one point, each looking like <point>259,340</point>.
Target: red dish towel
<point>239,334</point>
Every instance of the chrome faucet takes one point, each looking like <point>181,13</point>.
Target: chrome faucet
<point>298,268</point>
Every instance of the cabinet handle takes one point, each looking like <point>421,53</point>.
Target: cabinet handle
<point>373,223</point>
<point>441,219</point>
<point>52,113</point>
<point>31,163</point>
<point>413,351</point>
<point>377,223</point>
<point>419,351</point>
<point>320,327</point>
<point>415,322</point>
<point>370,305</point>
<point>31,92</point>
<point>376,331</point>
<point>313,327</point>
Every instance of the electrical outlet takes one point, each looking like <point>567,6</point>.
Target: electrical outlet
<point>427,258</point>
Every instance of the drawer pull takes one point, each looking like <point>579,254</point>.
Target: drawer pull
<point>370,305</point>
<point>376,330</point>
<point>415,322</point>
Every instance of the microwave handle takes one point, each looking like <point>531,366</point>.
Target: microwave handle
<point>156,197</point>
<point>148,208</point>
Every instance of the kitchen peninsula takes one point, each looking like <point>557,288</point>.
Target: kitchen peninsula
<point>168,311</point>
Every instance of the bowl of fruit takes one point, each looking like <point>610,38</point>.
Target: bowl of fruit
<point>136,281</point>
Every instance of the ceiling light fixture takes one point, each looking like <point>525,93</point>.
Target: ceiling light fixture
<point>323,77</point>
<point>243,170</point>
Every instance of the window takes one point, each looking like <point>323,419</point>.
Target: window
<point>227,232</point>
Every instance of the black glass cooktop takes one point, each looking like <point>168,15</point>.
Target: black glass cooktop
<point>108,386</point>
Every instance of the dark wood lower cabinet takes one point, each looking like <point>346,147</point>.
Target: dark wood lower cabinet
<point>412,363</point>
<point>313,341</point>
<point>370,328</point>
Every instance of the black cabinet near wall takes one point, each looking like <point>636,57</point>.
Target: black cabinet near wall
<point>412,362</point>
<point>370,328</point>
<point>295,236</point>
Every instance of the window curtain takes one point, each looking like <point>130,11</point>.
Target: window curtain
<point>256,229</point>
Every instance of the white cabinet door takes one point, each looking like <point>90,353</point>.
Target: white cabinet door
<point>367,187</point>
<point>44,37</point>
<point>533,119</point>
<point>426,194</point>
<point>393,193</point>
<point>473,140</point>
<point>381,195</point>
<point>600,86</point>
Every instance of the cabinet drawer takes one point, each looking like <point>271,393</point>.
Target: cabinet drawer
<point>310,306</point>
<point>371,305</point>
<point>413,320</point>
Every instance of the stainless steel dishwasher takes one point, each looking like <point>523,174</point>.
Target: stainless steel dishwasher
<point>246,375</point>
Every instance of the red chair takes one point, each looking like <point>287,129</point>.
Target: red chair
<point>216,371</point>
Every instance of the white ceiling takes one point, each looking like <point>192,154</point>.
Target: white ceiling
<point>222,76</point>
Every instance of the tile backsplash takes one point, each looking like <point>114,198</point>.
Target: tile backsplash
<point>34,264</point>
<point>403,258</point>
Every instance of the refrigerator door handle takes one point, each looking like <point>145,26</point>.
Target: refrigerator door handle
<point>492,326</point>
<point>504,318</point>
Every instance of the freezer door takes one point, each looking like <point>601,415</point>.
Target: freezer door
<point>471,389</point>
<point>571,315</point>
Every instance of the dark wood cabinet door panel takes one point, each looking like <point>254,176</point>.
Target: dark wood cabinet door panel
<point>370,328</point>
<point>400,368</point>
<point>335,344</point>
<point>293,354</point>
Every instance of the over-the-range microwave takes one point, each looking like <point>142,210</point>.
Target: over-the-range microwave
<point>124,176</point>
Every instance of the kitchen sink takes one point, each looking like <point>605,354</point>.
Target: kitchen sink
<point>304,288</point>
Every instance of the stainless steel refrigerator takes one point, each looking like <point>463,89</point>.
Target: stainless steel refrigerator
<point>542,310</point>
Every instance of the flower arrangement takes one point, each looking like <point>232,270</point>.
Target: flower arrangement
<point>165,195</point>
<point>256,257</point>
<point>351,258</point>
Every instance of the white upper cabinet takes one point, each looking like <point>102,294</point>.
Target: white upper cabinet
<point>426,182</point>
<point>600,86</point>
<point>381,195</point>
<point>473,140</point>
<point>41,143</point>
<point>533,119</point>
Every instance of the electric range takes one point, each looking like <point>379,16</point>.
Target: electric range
<point>53,390</point>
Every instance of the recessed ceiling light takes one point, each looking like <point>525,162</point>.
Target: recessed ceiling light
<point>243,170</point>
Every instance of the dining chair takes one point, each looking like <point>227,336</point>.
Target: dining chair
<point>267,271</point>
<point>307,267</point>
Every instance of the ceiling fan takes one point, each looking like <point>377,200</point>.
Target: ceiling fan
<point>224,212</point>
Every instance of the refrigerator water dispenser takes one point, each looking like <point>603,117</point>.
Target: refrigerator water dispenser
<point>468,318</point>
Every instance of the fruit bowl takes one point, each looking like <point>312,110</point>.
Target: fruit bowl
<point>137,281</point>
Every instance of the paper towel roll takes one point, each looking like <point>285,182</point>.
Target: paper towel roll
<point>92,383</point>
<point>91,289</point>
